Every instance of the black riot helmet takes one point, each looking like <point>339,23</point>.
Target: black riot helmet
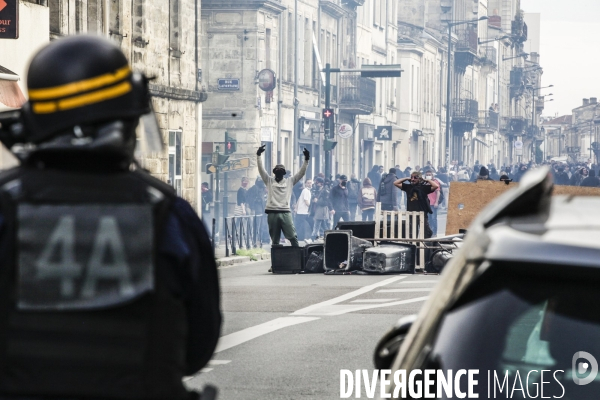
<point>85,103</point>
<point>81,80</point>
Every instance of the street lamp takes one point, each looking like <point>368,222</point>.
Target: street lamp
<point>449,79</point>
<point>494,39</point>
<point>524,55</point>
<point>533,90</point>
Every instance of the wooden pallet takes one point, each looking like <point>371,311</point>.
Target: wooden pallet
<point>414,228</point>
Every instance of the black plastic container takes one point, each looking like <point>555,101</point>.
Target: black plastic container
<point>341,246</point>
<point>287,259</point>
<point>360,229</point>
<point>311,248</point>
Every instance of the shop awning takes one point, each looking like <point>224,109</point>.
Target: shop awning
<point>10,93</point>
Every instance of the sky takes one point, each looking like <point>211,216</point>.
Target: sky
<point>569,51</point>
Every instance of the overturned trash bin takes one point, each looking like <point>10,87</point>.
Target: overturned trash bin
<point>438,261</point>
<point>313,259</point>
<point>341,246</point>
<point>390,259</point>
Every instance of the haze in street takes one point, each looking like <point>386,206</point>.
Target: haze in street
<point>569,50</point>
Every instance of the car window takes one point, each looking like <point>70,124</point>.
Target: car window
<point>523,343</point>
<point>515,328</point>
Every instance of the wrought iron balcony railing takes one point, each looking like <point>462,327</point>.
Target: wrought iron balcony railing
<point>488,120</point>
<point>357,95</point>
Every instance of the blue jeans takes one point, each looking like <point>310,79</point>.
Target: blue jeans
<point>367,215</point>
<point>433,220</point>
<point>320,223</point>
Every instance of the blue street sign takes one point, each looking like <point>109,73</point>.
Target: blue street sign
<point>228,84</point>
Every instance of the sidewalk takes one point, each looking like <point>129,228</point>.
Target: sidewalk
<point>223,260</point>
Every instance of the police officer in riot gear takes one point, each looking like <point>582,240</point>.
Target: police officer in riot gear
<point>108,285</point>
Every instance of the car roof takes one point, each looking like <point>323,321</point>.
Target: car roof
<point>568,236</point>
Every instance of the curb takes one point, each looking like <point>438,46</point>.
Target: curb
<point>221,262</point>
<point>227,261</point>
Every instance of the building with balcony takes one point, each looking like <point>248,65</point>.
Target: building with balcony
<point>582,135</point>
<point>554,132</point>
<point>489,122</point>
<point>376,33</point>
<point>465,53</point>
<point>357,95</point>
<point>159,39</point>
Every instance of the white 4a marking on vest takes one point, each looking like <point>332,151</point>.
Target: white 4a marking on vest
<point>107,239</point>
<point>67,269</point>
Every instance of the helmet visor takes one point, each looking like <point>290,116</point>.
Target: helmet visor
<point>149,139</point>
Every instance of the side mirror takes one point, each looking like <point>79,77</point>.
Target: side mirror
<point>389,345</point>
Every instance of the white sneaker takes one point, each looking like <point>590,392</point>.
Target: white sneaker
<point>308,241</point>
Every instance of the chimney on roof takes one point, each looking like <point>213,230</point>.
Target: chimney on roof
<point>586,102</point>
<point>593,100</point>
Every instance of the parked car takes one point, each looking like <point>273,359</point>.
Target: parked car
<point>521,295</point>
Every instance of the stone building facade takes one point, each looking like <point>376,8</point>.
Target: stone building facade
<point>14,60</point>
<point>581,138</point>
<point>491,82</point>
<point>160,40</point>
<point>241,38</point>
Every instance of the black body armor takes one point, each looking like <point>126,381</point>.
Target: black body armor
<point>85,311</point>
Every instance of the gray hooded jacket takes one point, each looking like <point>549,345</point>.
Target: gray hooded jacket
<point>280,193</point>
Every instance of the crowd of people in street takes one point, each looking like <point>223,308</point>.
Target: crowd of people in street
<point>318,204</point>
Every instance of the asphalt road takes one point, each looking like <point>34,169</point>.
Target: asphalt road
<point>288,336</point>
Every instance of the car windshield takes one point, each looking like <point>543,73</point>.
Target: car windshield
<point>513,328</point>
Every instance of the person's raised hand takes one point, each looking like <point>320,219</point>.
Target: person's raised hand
<point>306,154</point>
<point>261,150</point>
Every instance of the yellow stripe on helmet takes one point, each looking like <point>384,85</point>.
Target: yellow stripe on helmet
<point>82,100</point>
<point>72,88</point>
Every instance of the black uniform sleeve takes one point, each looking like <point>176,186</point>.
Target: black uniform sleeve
<point>202,292</point>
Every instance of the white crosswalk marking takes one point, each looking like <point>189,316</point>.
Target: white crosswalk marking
<point>373,300</point>
<point>219,362</point>
<point>404,290</point>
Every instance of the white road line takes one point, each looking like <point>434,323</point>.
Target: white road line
<point>404,290</point>
<point>406,282</point>
<point>324,308</point>
<point>219,362</point>
<point>245,335</point>
<point>340,309</point>
<point>372,300</point>
<point>206,370</point>
<point>308,310</point>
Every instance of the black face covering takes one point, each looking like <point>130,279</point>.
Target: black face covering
<point>279,174</point>
<point>343,183</point>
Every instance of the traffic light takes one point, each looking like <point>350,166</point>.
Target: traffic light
<point>328,123</point>
<point>221,159</point>
<point>230,144</point>
<point>329,144</point>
